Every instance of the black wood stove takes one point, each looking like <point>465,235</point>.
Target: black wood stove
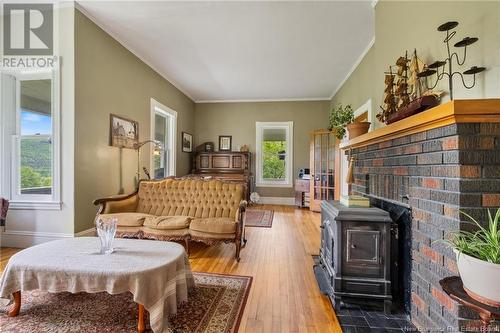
<point>355,255</point>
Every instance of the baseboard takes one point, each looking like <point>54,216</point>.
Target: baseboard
<point>22,239</point>
<point>288,201</point>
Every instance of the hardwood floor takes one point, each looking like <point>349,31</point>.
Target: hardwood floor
<point>284,296</point>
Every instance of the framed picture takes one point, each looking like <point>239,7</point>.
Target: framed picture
<point>225,142</point>
<point>124,133</point>
<point>187,142</point>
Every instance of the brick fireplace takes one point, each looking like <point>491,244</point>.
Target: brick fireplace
<point>438,162</point>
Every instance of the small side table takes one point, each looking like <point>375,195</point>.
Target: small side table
<point>454,287</point>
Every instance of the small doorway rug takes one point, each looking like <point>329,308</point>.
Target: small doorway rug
<point>259,218</point>
<point>215,305</point>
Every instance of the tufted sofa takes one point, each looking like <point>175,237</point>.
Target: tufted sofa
<point>209,211</point>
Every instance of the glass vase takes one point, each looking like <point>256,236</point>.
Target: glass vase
<point>106,230</point>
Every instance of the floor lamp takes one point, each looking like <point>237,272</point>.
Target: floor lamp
<point>157,146</point>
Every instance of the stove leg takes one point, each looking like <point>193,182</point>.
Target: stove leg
<point>14,310</point>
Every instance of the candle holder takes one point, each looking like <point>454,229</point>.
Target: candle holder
<point>439,67</point>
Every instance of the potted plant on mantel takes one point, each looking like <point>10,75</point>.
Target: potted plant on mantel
<point>342,118</point>
<point>478,260</point>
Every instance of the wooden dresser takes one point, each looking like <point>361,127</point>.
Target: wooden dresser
<point>225,165</point>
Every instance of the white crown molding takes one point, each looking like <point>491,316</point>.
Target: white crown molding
<point>312,99</point>
<point>287,201</point>
<point>353,68</point>
<point>131,50</point>
<point>374,3</point>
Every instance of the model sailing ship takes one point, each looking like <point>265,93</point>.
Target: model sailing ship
<point>404,94</point>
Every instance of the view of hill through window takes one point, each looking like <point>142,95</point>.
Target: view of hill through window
<point>36,152</point>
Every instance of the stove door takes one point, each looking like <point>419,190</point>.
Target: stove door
<point>363,251</point>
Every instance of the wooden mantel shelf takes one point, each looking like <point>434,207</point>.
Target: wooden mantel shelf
<point>456,111</point>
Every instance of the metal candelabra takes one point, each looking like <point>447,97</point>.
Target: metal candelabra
<point>439,67</point>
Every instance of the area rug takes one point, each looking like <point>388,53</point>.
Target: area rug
<point>215,305</point>
<point>259,218</point>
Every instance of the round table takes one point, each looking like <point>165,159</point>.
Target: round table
<point>157,273</point>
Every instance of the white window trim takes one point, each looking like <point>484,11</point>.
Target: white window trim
<point>157,107</point>
<point>260,126</point>
<point>8,147</point>
<point>367,107</point>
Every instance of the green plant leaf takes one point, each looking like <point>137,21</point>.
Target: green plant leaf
<point>483,244</point>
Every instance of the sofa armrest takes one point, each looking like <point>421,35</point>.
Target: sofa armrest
<point>117,204</point>
<point>240,218</point>
<point>241,210</point>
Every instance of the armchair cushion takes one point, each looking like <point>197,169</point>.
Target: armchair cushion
<point>127,219</point>
<point>216,225</point>
<point>167,222</point>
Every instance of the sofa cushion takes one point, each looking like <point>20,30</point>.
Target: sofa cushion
<point>167,222</point>
<point>127,219</point>
<point>200,235</point>
<point>157,234</point>
<point>216,225</point>
<point>129,232</point>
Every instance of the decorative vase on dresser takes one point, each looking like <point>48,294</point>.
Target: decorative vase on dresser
<point>355,254</point>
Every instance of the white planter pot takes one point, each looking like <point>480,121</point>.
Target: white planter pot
<point>481,279</point>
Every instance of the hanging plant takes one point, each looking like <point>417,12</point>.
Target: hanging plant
<point>339,117</point>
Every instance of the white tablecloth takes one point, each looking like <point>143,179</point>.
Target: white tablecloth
<point>157,273</point>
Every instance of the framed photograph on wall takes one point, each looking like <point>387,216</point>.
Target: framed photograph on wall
<point>225,142</point>
<point>124,133</point>
<point>187,142</point>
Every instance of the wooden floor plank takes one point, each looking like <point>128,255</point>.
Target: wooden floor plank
<point>284,296</point>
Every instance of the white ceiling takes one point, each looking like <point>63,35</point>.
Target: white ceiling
<point>228,51</point>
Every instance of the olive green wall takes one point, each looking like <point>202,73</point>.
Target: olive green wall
<point>110,79</point>
<point>238,120</point>
<point>406,25</point>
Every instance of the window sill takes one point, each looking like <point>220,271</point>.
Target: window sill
<point>35,205</point>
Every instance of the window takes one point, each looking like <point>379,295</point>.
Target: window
<point>164,130</point>
<point>34,146</point>
<point>30,137</point>
<point>274,154</point>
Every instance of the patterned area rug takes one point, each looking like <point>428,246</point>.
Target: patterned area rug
<point>259,218</point>
<point>215,305</point>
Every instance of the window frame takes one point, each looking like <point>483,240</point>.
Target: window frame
<point>259,130</point>
<point>10,141</point>
<point>170,115</point>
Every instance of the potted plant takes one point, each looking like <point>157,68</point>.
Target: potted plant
<point>339,118</point>
<point>358,128</point>
<point>342,118</point>
<point>478,259</point>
